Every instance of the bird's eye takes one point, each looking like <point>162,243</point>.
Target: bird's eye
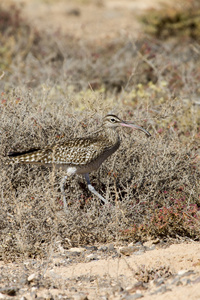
<point>113,120</point>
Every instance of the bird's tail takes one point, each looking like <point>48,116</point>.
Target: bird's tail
<point>30,156</point>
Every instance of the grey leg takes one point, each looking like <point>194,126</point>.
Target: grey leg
<point>62,185</point>
<point>92,189</point>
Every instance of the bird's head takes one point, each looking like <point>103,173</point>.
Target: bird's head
<point>112,121</point>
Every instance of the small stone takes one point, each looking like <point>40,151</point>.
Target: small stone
<point>133,297</point>
<point>138,244</point>
<point>117,288</point>
<point>174,280</point>
<point>182,273</point>
<point>72,254</point>
<point>91,248</point>
<point>159,282</point>
<point>179,283</point>
<point>116,255</point>
<point>140,252</point>
<point>103,248</point>
<point>127,250</point>
<point>138,285</point>
<point>80,296</point>
<point>111,247</point>
<point>150,243</point>
<point>77,250</point>
<point>186,281</point>
<point>32,277</point>
<point>163,289</point>
<point>197,280</point>
<point>153,247</point>
<point>91,257</point>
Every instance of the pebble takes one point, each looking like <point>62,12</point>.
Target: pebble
<point>138,244</point>
<point>163,289</point>
<point>159,282</point>
<point>179,283</point>
<point>111,247</point>
<point>103,248</point>
<point>71,254</point>
<point>80,296</point>
<point>127,250</point>
<point>137,249</point>
<point>151,244</point>
<point>153,247</point>
<point>116,255</point>
<point>77,250</point>
<point>140,285</point>
<point>175,280</point>
<point>182,273</point>
<point>186,281</point>
<point>91,248</point>
<point>133,297</point>
<point>91,257</point>
<point>140,252</point>
<point>197,280</point>
<point>32,277</point>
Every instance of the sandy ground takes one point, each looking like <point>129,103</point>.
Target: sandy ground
<point>94,20</point>
<point>157,273</point>
<point>99,21</point>
<point>182,257</point>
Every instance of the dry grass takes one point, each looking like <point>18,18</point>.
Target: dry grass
<point>152,184</point>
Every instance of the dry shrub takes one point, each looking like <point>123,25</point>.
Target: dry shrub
<point>176,20</point>
<point>151,183</point>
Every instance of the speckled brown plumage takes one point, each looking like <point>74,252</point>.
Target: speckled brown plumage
<point>80,155</point>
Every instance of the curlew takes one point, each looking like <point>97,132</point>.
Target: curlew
<point>80,155</point>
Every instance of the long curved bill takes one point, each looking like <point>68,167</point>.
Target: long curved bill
<point>133,126</point>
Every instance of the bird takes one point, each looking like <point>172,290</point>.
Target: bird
<point>80,155</point>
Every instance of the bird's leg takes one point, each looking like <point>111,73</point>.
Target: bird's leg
<point>62,188</point>
<point>92,189</point>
